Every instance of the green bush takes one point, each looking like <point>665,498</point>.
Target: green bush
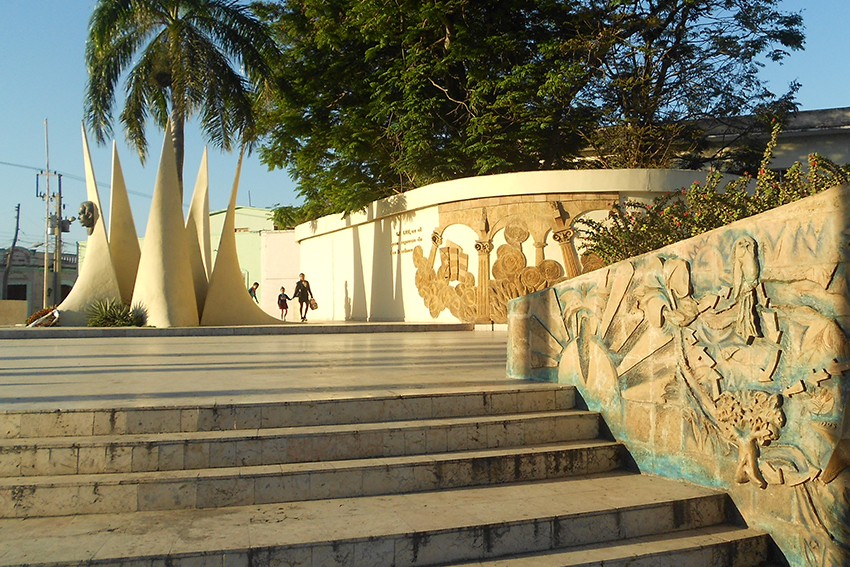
<point>635,228</point>
<point>111,313</point>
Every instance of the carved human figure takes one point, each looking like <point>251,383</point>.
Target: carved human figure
<point>88,215</point>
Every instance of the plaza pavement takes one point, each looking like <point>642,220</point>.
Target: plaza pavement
<point>214,368</point>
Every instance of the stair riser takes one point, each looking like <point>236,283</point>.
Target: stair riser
<point>292,448</point>
<point>265,487</point>
<point>22,425</point>
<point>439,547</point>
<point>750,552</point>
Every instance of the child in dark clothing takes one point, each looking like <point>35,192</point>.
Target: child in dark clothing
<point>282,299</point>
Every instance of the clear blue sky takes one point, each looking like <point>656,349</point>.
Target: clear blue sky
<point>42,75</point>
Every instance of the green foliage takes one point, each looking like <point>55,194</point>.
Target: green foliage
<point>634,228</point>
<point>376,98</point>
<point>110,313</point>
<point>287,217</point>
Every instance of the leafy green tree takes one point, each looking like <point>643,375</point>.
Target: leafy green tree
<point>180,58</point>
<point>287,217</point>
<point>377,98</point>
<point>676,67</point>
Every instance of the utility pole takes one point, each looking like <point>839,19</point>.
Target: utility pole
<point>58,226</point>
<point>49,222</point>
<point>10,253</point>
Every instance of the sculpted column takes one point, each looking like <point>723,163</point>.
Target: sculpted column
<point>484,247</point>
<point>564,237</point>
<point>538,252</point>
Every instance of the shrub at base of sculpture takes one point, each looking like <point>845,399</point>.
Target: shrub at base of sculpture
<point>722,360</point>
<point>116,314</point>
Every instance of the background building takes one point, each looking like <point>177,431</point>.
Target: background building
<point>268,256</point>
<point>26,279</point>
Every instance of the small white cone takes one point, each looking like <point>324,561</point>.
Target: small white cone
<point>123,240</point>
<point>228,302</point>
<point>198,234</point>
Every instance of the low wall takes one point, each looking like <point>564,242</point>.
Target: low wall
<point>721,360</point>
<point>459,250</point>
<point>13,312</point>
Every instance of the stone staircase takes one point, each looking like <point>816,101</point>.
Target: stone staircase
<point>510,475</point>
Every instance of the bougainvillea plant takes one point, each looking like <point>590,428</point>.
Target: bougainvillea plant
<point>633,228</point>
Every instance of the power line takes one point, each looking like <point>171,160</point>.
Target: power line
<point>72,176</point>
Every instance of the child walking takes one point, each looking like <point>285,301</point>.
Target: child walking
<point>282,299</point>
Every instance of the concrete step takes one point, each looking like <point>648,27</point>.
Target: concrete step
<point>243,447</point>
<point>217,488</point>
<point>403,530</point>
<point>713,546</point>
<point>296,410</point>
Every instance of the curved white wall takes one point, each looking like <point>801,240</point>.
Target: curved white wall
<point>360,266</point>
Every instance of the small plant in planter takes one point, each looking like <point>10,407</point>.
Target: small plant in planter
<point>111,313</point>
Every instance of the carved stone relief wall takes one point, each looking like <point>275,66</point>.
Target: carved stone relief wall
<point>506,271</point>
<point>721,360</point>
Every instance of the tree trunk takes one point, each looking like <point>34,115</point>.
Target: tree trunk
<point>177,132</point>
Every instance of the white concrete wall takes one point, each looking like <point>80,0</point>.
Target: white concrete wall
<point>280,261</point>
<point>360,267</point>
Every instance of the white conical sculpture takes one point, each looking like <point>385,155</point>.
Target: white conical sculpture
<point>164,284</point>
<point>228,302</point>
<point>97,280</point>
<point>198,234</point>
<point>123,240</point>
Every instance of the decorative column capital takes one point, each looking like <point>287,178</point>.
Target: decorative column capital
<point>484,246</point>
<point>564,235</point>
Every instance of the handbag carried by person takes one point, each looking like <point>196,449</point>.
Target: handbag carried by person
<point>313,304</point>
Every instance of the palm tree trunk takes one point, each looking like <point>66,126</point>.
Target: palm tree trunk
<point>177,132</point>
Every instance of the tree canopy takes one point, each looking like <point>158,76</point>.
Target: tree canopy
<point>180,58</point>
<point>376,98</point>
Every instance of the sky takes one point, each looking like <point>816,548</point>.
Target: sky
<point>42,76</point>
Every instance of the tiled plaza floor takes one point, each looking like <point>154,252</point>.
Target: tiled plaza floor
<point>69,373</point>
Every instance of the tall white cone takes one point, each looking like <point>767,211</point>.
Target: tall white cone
<point>228,302</point>
<point>198,234</point>
<point>97,280</point>
<point>123,240</point>
<point>164,284</point>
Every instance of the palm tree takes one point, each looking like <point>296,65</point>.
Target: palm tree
<point>181,59</point>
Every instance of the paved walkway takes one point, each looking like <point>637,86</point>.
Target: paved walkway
<point>105,372</point>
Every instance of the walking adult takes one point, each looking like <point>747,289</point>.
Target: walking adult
<point>304,295</point>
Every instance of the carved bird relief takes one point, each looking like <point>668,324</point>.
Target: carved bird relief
<point>745,278</point>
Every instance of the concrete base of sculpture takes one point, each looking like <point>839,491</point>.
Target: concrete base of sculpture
<point>721,360</point>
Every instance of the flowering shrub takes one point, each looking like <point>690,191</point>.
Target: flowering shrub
<point>635,228</point>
